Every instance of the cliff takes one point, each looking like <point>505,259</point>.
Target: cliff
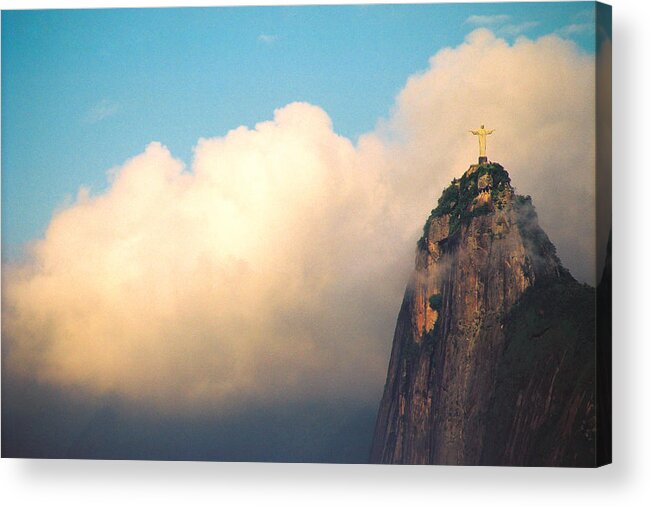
<point>493,357</point>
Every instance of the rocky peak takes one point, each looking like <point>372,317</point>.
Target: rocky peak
<point>481,251</point>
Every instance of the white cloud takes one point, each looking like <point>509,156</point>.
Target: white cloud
<point>273,267</point>
<point>495,19</point>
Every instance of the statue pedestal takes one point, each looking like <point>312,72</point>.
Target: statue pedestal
<point>483,160</point>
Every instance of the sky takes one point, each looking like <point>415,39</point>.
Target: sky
<point>84,90</point>
<point>209,215</point>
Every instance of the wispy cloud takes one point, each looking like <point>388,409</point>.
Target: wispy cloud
<point>500,24</point>
<point>583,22</point>
<point>517,28</point>
<point>586,15</point>
<point>102,110</point>
<point>575,29</point>
<point>495,19</point>
<point>267,38</point>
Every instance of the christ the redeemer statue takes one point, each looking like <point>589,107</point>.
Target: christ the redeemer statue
<point>481,134</point>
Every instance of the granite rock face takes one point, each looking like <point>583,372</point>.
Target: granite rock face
<point>493,353</point>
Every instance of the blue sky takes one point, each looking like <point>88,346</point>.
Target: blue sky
<point>84,90</point>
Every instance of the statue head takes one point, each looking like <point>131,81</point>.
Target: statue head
<point>482,126</point>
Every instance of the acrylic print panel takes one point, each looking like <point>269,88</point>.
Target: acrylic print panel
<point>344,234</point>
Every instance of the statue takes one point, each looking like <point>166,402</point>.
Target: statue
<point>481,134</point>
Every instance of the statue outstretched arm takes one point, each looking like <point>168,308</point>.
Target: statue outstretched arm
<point>490,131</point>
<point>475,132</point>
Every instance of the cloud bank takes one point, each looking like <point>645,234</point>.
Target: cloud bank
<point>272,269</point>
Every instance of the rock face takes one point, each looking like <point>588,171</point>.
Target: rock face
<point>493,354</point>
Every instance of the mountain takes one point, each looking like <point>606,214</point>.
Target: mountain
<point>493,358</point>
